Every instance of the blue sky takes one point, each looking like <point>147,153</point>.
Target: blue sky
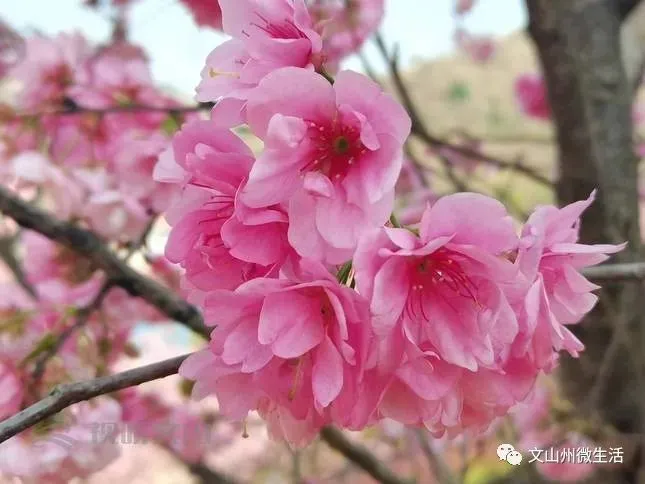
<point>423,28</point>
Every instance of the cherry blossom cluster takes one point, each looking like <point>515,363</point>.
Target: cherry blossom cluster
<point>73,143</point>
<point>325,310</point>
<point>30,328</point>
<point>95,163</point>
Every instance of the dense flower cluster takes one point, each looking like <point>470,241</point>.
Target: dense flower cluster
<point>99,164</point>
<point>324,312</point>
<point>93,165</point>
<point>326,308</point>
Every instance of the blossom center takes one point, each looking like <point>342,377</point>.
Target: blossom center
<point>341,145</point>
<point>439,275</point>
<point>337,147</point>
<point>285,29</point>
<point>442,268</point>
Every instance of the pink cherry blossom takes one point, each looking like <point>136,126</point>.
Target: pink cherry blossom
<point>455,272</point>
<point>478,47</point>
<point>333,152</point>
<point>531,96</point>
<point>179,429</point>
<point>32,169</point>
<point>78,141</point>
<point>48,68</point>
<point>419,388</point>
<point>567,471</point>
<point>135,156</point>
<point>12,48</point>
<point>294,347</point>
<point>73,448</point>
<point>11,390</point>
<point>550,258</point>
<point>346,25</point>
<point>109,80</point>
<point>463,6</point>
<point>207,13</point>
<point>214,236</point>
<point>266,37</point>
<point>116,215</point>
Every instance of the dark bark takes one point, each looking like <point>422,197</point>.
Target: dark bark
<point>91,246</point>
<point>578,42</point>
<point>626,7</point>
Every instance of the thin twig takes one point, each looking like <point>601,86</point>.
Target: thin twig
<point>616,272</point>
<point>83,314</point>
<point>296,467</point>
<point>419,169</point>
<point>72,109</point>
<point>88,244</point>
<point>208,475</point>
<point>7,254</point>
<point>68,394</point>
<point>418,126</point>
<point>360,456</point>
<point>421,131</point>
<point>439,468</point>
<point>82,317</point>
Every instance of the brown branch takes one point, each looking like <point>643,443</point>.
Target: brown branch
<point>420,130</point>
<point>70,108</point>
<point>419,168</point>
<point>83,315</point>
<point>207,475</point>
<point>418,126</point>
<point>360,456</point>
<point>88,244</point>
<point>68,394</point>
<point>8,255</point>
<point>616,272</point>
<point>439,468</point>
<point>625,7</point>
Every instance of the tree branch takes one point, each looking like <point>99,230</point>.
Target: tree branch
<point>420,130</point>
<point>360,456</point>
<point>88,244</point>
<point>83,315</point>
<point>625,7</point>
<point>616,272</point>
<point>68,394</point>
<point>206,475</point>
<point>440,470</point>
<point>11,261</point>
<point>70,108</point>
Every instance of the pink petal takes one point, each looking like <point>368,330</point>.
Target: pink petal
<point>327,373</point>
<point>283,92</point>
<point>290,323</point>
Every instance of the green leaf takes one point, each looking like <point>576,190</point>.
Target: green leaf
<point>458,92</point>
<point>170,125</point>
<point>343,273</point>
<point>45,344</point>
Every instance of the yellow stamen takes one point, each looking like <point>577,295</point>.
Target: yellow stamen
<point>214,73</point>
<point>296,380</point>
